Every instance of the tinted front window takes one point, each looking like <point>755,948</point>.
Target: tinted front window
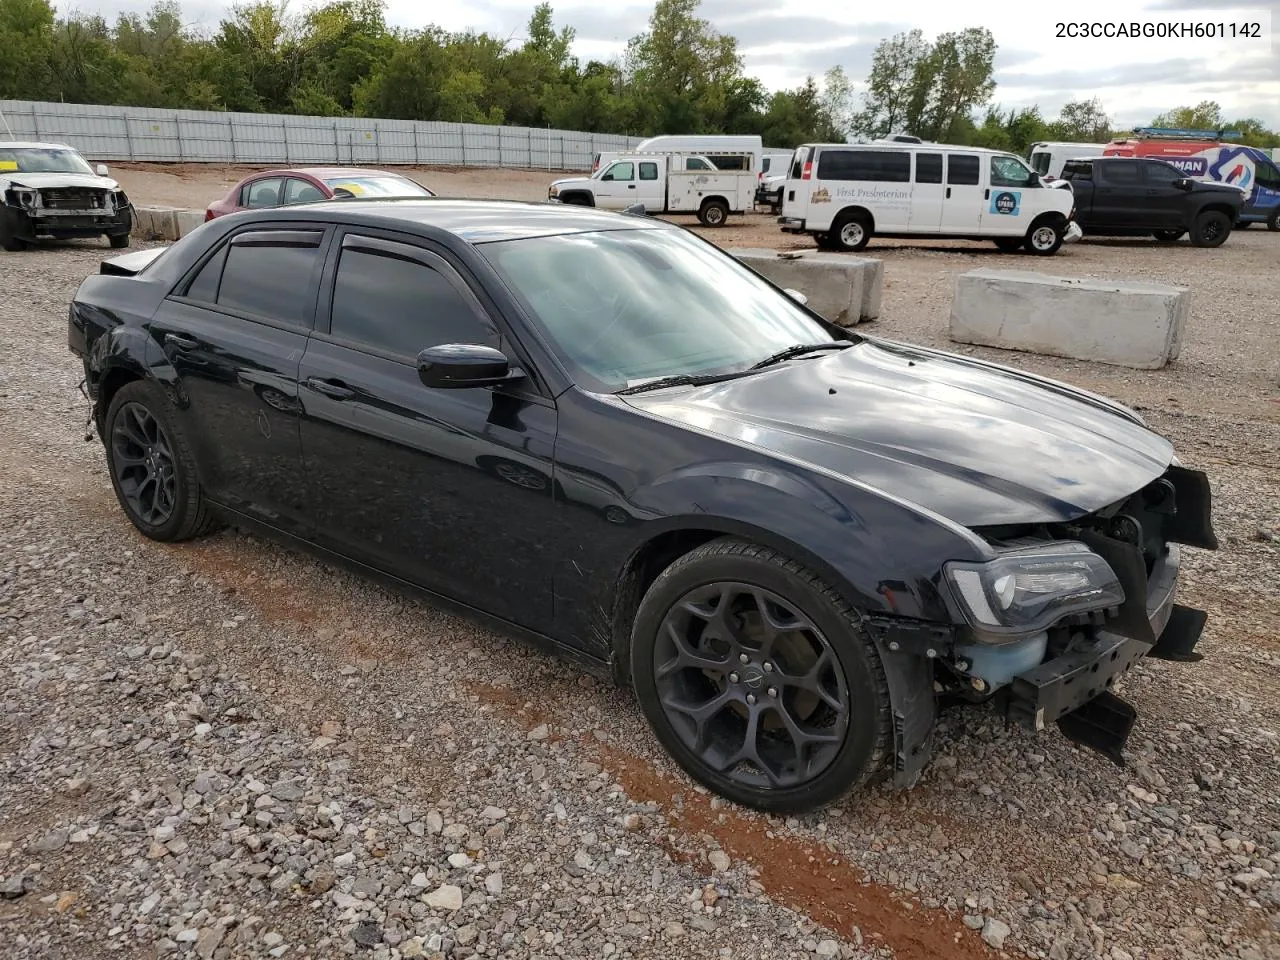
<point>623,306</point>
<point>400,306</point>
<point>963,169</point>
<point>1162,174</point>
<point>886,166</point>
<point>301,191</point>
<point>928,168</point>
<point>270,280</point>
<point>1268,176</point>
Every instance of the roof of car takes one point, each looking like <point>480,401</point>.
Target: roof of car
<point>475,221</point>
<point>32,145</point>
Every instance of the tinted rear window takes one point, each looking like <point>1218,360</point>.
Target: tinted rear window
<point>962,169</point>
<point>928,168</point>
<point>1122,172</point>
<point>272,280</point>
<point>885,166</point>
<point>1078,170</point>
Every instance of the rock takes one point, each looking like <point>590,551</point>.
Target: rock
<point>974,922</point>
<point>540,732</point>
<point>445,897</point>
<point>719,860</point>
<point>493,883</point>
<point>330,729</point>
<point>344,862</point>
<point>435,823</point>
<point>52,841</point>
<point>11,888</point>
<point>1059,950</point>
<point>420,881</point>
<point>466,935</point>
<point>995,932</point>
<point>208,941</point>
<point>632,822</point>
<point>76,787</point>
<point>272,939</point>
<point>1131,849</point>
<point>367,935</point>
<point>164,833</point>
<point>674,930</point>
<point>493,813</point>
<point>459,860</point>
<point>1250,878</point>
<point>288,790</point>
<point>322,881</point>
<point>828,948</point>
<point>411,949</point>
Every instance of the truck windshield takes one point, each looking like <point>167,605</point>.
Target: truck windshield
<point>622,306</point>
<point>42,160</point>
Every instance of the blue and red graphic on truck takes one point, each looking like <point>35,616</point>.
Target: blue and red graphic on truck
<point>1202,155</point>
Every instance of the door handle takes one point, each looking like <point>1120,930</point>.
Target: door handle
<point>181,342</point>
<point>948,193</point>
<point>986,194</point>
<point>631,186</point>
<point>330,389</point>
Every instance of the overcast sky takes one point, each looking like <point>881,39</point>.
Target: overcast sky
<point>783,40</point>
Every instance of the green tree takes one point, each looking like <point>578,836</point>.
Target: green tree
<point>895,67</point>
<point>1082,121</point>
<point>26,41</point>
<point>1205,115</point>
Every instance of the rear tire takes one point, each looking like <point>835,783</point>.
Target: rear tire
<point>713,213</point>
<point>1009,244</point>
<point>152,467</point>
<point>1168,236</point>
<point>118,241</point>
<point>1210,229</point>
<point>1045,239</point>
<point>758,678</point>
<point>1273,222</point>
<point>824,241</point>
<point>851,232</point>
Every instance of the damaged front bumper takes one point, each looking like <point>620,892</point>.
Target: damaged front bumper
<point>1073,688</point>
<point>30,224</point>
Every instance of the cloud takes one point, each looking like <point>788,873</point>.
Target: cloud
<point>1181,71</point>
<point>854,57</point>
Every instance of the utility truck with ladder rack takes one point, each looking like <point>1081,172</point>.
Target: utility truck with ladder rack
<point>663,183</point>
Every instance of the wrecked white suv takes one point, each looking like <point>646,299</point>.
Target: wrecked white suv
<point>49,190</point>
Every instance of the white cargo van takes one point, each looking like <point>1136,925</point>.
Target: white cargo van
<point>1047,158</point>
<point>842,194</point>
<point>663,183</point>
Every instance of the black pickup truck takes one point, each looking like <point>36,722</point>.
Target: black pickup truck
<point>1131,196</point>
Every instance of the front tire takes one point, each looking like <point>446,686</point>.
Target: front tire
<point>758,678</point>
<point>1273,222</point>
<point>1210,229</point>
<point>1168,236</point>
<point>152,468</point>
<point>118,241</point>
<point>1045,239</point>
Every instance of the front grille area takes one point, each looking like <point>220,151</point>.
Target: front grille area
<point>73,198</point>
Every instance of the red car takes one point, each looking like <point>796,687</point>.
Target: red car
<point>279,188</point>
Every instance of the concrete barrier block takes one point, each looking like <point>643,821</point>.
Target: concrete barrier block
<point>188,220</point>
<point>156,223</point>
<point>845,290</point>
<point>1121,322</point>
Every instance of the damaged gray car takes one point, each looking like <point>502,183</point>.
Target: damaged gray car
<point>50,191</point>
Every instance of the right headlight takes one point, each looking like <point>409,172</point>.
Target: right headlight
<point>1028,590</point>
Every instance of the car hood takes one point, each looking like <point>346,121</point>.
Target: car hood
<point>37,181</point>
<point>976,443</point>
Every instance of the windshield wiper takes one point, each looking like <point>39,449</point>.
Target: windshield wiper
<point>799,350</point>
<point>679,380</point>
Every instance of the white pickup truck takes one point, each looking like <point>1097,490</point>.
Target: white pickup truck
<point>662,183</point>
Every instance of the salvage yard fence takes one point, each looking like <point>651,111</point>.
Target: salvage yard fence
<point>147,134</point>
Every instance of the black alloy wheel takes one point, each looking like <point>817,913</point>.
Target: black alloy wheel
<point>142,462</point>
<point>152,467</point>
<point>759,679</point>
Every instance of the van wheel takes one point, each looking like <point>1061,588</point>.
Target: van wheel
<point>851,232</point>
<point>1168,236</point>
<point>1009,244</point>
<point>1045,239</point>
<point>713,213</point>
<point>1273,223</point>
<point>1210,229</point>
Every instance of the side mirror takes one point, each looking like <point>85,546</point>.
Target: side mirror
<point>456,365</point>
<point>100,169</point>
<point>796,295</point>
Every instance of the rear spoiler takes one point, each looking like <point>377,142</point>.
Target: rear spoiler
<point>131,264</point>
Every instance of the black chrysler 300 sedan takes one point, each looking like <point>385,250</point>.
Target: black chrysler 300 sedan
<point>793,541</point>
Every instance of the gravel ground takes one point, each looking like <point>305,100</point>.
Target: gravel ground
<point>226,749</point>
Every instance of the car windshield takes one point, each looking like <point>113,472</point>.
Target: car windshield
<point>624,306</point>
<point>367,186</point>
<point>42,160</point>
